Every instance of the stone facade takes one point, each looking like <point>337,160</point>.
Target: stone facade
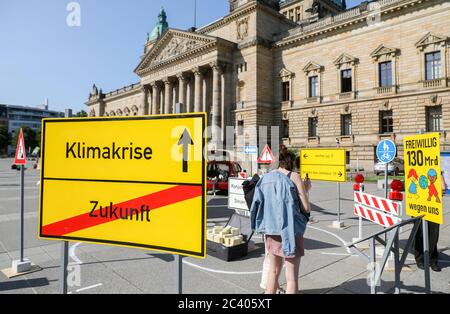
<point>236,68</point>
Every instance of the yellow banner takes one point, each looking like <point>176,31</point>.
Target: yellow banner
<point>325,157</point>
<point>324,173</point>
<point>134,182</point>
<point>423,177</point>
<point>323,164</point>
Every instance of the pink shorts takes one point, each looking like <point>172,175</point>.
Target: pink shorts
<point>274,246</point>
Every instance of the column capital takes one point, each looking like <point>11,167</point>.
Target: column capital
<point>198,71</point>
<point>167,81</point>
<point>182,77</point>
<point>144,88</point>
<point>156,84</point>
<point>217,66</point>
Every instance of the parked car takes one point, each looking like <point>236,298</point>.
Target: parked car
<point>218,173</point>
<point>396,167</point>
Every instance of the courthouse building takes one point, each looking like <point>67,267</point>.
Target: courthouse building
<point>321,72</point>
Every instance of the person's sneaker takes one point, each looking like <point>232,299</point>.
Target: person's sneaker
<point>420,265</point>
<point>436,268</point>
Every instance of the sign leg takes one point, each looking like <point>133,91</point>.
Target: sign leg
<point>64,264</point>
<point>373,268</point>
<point>178,274</point>
<point>338,224</point>
<point>426,256</point>
<point>397,266</point>
<point>22,179</point>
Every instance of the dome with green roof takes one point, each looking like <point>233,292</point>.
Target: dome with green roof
<point>161,26</point>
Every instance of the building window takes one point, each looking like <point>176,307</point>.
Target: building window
<point>313,86</point>
<point>386,122</point>
<point>385,73</point>
<point>434,119</point>
<point>433,65</point>
<point>286,91</point>
<point>346,124</point>
<point>313,123</point>
<point>346,81</point>
<point>240,128</point>
<point>285,127</point>
<point>347,157</point>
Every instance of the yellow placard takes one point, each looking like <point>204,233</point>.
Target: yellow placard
<point>323,164</point>
<point>324,173</point>
<point>325,157</point>
<point>134,182</point>
<point>423,177</point>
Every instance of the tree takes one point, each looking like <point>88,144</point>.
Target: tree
<point>82,114</point>
<point>30,137</point>
<point>4,139</point>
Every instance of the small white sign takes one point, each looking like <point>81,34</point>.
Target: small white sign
<point>236,198</point>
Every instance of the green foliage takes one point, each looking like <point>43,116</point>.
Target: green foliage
<point>81,114</point>
<point>31,137</point>
<point>4,139</point>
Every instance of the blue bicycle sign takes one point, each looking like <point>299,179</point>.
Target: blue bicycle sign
<point>386,151</point>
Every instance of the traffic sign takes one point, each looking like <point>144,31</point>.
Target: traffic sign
<point>386,151</point>
<point>251,150</point>
<point>266,156</point>
<point>21,156</point>
<point>134,182</point>
<point>323,164</point>
<point>423,177</point>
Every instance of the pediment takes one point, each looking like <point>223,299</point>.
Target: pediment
<point>312,66</point>
<point>382,50</point>
<point>431,38</point>
<point>344,59</point>
<point>286,73</point>
<point>172,45</point>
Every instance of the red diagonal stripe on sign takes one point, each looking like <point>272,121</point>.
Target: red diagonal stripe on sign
<point>386,206</point>
<point>366,200</point>
<point>358,197</point>
<point>390,221</point>
<point>374,200</point>
<point>153,201</point>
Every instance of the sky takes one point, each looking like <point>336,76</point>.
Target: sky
<point>41,56</point>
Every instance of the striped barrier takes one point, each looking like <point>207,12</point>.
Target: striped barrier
<point>381,211</point>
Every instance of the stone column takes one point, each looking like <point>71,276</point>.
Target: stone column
<point>227,96</point>
<point>168,98</point>
<point>198,102</point>
<point>182,90</point>
<point>190,98</point>
<point>156,97</point>
<point>217,102</point>
<point>143,109</point>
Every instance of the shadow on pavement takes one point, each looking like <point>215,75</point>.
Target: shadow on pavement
<point>218,208</point>
<point>318,245</point>
<point>23,284</point>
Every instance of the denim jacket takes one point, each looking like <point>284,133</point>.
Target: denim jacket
<point>275,210</point>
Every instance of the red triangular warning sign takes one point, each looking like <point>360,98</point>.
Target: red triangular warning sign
<point>21,157</point>
<point>266,156</point>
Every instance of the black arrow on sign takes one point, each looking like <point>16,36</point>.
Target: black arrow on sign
<point>185,140</point>
<point>305,156</point>
<point>340,174</point>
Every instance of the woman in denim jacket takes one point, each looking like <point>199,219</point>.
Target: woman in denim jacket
<point>280,197</point>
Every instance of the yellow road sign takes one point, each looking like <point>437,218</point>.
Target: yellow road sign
<point>423,177</point>
<point>325,157</point>
<point>134,182</point>
<point>324,173</point>
<point>323,164</point>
